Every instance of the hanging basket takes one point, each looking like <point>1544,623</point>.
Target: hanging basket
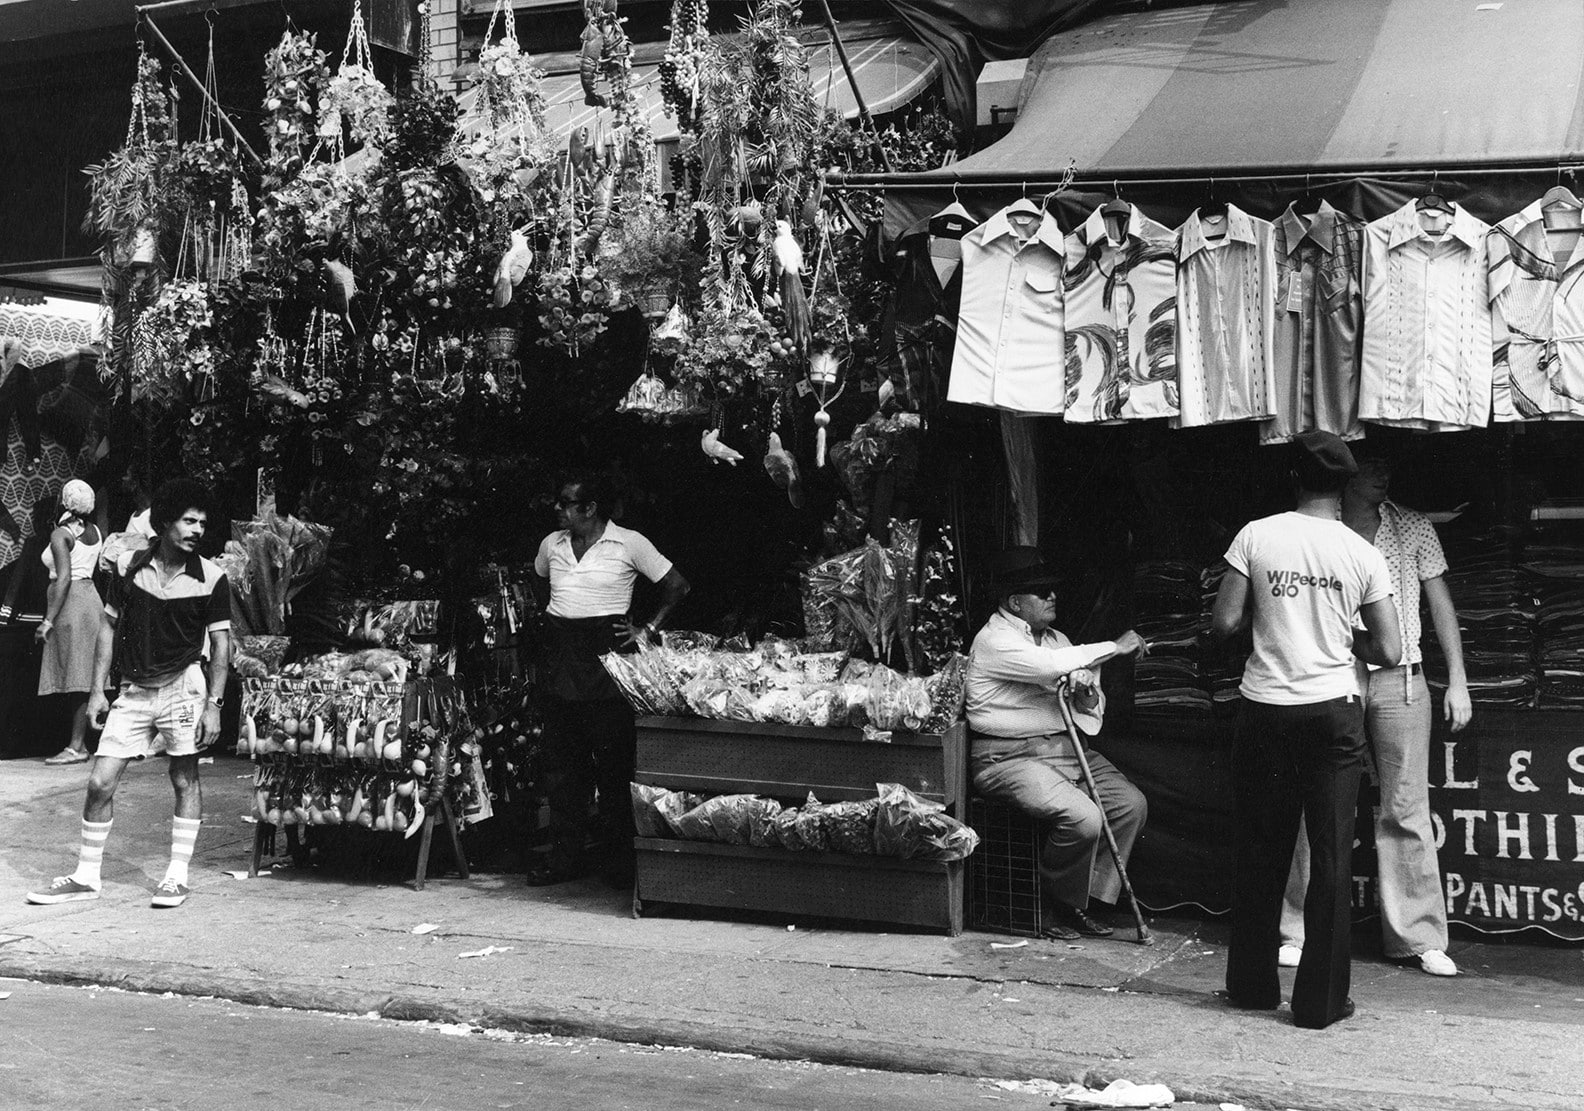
<point>501,343</point>
<point>142,248</point>
<point>653,299</point>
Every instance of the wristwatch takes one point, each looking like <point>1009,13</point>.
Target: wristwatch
<point>651,630</point>
<point>217,703</point>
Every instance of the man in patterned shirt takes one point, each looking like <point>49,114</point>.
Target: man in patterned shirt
<point>1397,724</point>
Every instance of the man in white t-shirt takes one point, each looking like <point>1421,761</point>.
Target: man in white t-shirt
<point>1300,579</point>
<point>583,577</point>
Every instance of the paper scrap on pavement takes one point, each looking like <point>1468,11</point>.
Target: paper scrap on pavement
<point>487,950</point>
<point>237,873</point>
<point>1118,1093</point>
<point>425,928</point>
<point>5,995</point>
<point>250,819</point>
<point>1008,944</point>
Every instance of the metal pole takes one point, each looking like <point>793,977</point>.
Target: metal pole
<point>1144,937</point>
<point>863,109</point>
<point>1042,179</point>
<point>199,85</point>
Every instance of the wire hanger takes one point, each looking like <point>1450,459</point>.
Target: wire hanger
<point>1433,201</point>
<point>1024,206</point>
<point>955,208</point>
<point>1116,206</point>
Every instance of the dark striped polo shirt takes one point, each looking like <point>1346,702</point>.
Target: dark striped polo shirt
<point>163,628</point>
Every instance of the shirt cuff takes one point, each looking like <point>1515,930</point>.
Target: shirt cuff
<point>218,627</point>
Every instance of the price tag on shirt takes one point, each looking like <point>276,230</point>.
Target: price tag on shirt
<point>1295,292</point>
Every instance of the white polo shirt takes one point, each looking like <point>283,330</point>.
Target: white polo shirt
<point>601,583</point>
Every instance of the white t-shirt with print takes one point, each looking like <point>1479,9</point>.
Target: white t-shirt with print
<point>1308,578</point>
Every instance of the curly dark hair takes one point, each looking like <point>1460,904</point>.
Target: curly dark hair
<point>175,497</point>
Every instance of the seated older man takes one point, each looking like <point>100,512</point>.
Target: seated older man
<point>1020,753</point>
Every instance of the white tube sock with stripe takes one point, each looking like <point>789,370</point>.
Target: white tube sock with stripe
<point>90,854</point>
<point>184,835</point>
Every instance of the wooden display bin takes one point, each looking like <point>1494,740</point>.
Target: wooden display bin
<point>787,762</point>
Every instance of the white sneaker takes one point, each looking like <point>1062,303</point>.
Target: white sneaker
<point>1437,963</point>
<point>1288,956</point>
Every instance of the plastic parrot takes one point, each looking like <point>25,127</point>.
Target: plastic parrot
<point>513,268</point>
<point>789,260</point>
<point>717,451</point>
<point>783,470</point>
<point>340,286</point>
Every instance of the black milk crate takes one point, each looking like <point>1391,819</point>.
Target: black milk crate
<point>1003,872</point>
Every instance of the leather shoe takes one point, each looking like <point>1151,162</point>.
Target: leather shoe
<point>1346,1011</point>
<point>1080,921</point>
<point>1233,1001</point>
<point>547,875</point>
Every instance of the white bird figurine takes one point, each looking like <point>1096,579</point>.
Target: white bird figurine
<point>783,470</point>
<point>717,451</point>
<point>789,255</point>
<point>513,268</point>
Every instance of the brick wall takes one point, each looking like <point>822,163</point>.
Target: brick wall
<point>445,34</point>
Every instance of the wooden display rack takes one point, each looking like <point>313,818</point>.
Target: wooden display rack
<point>263,833</point>
<point>789,762</point>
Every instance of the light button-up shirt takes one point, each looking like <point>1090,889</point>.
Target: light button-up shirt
<point>1008,352</point>
<point>1427,323</point>
<point>1013,676</point>
<point>1226,320</point>
<point>601,583</point>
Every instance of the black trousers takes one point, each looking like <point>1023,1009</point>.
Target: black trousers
<point>1291,761</point>
<point>588,745</point>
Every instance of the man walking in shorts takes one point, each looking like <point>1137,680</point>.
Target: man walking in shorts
<point>165,603</point>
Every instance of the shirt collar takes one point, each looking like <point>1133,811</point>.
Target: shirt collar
<point>607,533</point>
<point>1405,226</point>
<point>1239,229</point>
<point>1319,229</point>
<point>193,567</point>
<point>1016,622</point>
<point>1095,231</point>
<point>1048,233</point>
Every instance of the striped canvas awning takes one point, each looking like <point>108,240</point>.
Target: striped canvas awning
<point>891,71</point>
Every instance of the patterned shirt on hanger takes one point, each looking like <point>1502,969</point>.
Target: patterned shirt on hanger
<point>1538,299</point>
<point>1121,320</point>
<point>1319,324</point>
<point>1226,319</point>
<point>1009,328</point>
<point>1427,322</point>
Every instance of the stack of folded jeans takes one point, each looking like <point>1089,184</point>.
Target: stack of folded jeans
<point>1171,617</point>
<point>1497,616</point>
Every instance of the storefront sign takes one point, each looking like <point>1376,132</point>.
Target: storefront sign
<point>1507,796</point>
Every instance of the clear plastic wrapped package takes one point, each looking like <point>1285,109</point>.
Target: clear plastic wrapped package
<point>909,827</point>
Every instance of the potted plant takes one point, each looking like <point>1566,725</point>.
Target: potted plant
<point>651,257</point>
<point>130,206</point>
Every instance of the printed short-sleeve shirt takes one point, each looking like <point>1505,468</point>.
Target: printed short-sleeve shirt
<point>163,627</point>
<point>1413,555</point>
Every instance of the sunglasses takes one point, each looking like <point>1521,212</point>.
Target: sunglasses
<point>568,503</point>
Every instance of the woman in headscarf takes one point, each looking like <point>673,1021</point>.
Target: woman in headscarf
<point>73,612</point>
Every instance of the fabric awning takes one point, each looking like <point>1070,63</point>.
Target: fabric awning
<point>1319,84</point>
<point>891,71</point>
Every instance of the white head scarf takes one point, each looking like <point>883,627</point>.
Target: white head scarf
<point>76,499</point>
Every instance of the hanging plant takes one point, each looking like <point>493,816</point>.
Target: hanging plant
<point>649,257</point>
<point>574,306</point>
<point>294,72</point>
<point>129,204</point>
<point>354,96</point>
<point>171,355</point>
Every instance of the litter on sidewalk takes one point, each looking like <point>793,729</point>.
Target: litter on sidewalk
<point>1118,1093</point>
<point>487,950</point>
<point>425,928</point>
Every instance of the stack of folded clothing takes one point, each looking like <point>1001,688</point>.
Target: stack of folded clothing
<point>1497,614</point>
<point>1166,596</point>
<point>1555,574</point>
<point>1223,667</point>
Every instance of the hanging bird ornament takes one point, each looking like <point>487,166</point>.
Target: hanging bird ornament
<point>717,451</point>
<point>794,301</point>
<point>513,267</point>
<point>824,372</point>
<point>783,470</point>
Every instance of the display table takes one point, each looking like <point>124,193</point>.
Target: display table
<point>787,762</point>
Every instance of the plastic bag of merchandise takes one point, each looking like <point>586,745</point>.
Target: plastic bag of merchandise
<point>850,826</point>
<point>810,825</point>
<point>781,706</point>
<point>706,697</point>
<point>823,706</point>
<point>741,819</point>
<point>907,826</point>
<point>782,831</point>
<point>820,667</point>
<point>674,805</point>
<point>723,818</point>
<point>947,690</point>
<point>633,684</point>
<point>761,823</point>
<point>647,818</point>
<point>685,640</point>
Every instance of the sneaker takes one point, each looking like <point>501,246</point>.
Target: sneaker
<point>1288,956</point>
<point>1437,963</point>
<point>170,893</point>
<point>62,889</point>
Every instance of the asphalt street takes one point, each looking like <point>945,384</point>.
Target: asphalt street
<point>65,1047</point>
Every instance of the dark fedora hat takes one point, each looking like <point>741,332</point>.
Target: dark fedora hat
<point>1021,570</point>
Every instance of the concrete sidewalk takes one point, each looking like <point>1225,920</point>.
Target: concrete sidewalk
<point>572,960</point>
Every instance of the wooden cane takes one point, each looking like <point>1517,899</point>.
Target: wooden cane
<point>1144,937</point>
